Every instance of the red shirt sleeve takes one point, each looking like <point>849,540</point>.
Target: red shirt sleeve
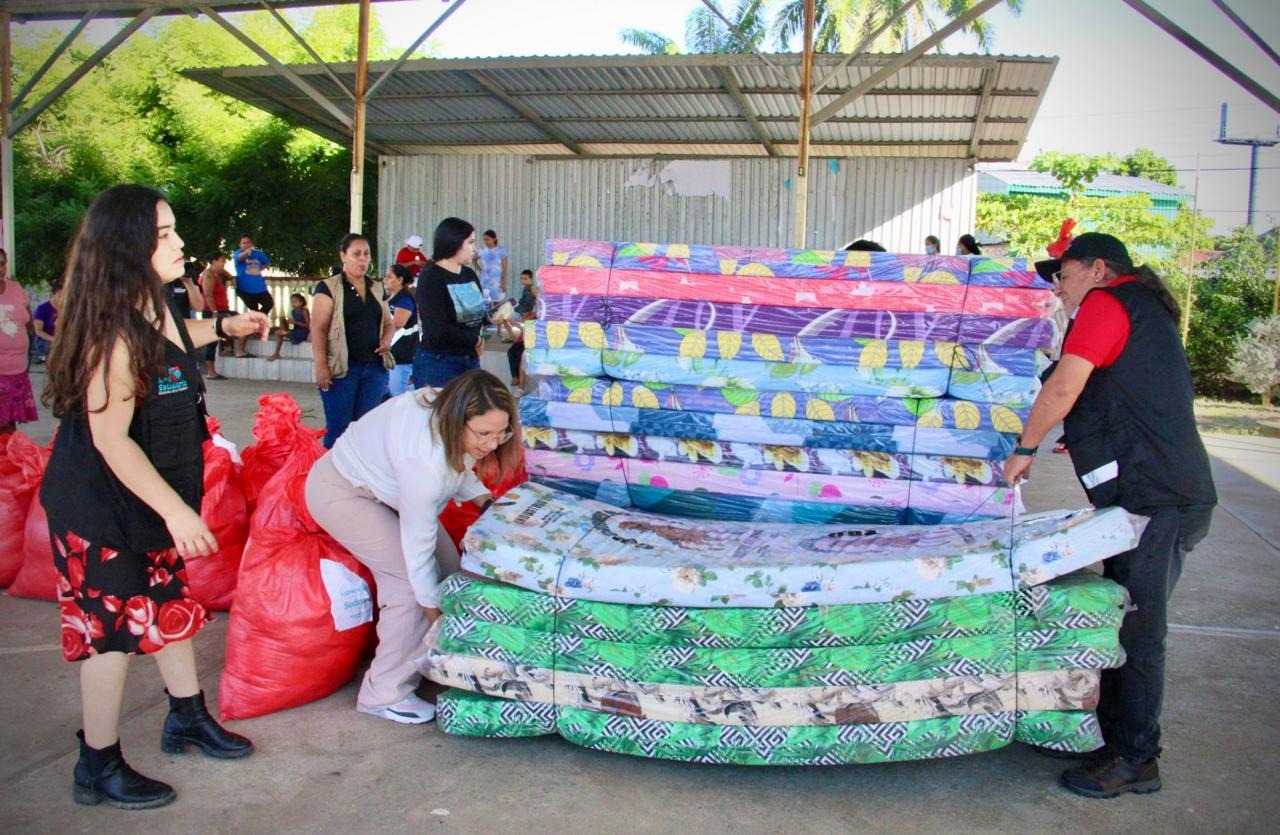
<point>1100,331</point>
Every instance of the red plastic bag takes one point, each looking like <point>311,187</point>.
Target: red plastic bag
<point>285,644</point>
<point>37,579</point>
<point>458,517</point>
<point>21,468</point>
<point>275,427</point>
<point>282,501</point>
<point>212,579</point>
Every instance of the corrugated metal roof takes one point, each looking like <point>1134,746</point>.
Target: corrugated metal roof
<point>669,105</point>
<point>1005,180</point>
<point>28,10</point>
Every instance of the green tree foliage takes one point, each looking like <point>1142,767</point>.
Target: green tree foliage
<point>1230,292</point>
<point>841,25</point>
<point>706,33</point>
<point>1031,222</point>
<point>1076,171</point>
<point>135,118</point>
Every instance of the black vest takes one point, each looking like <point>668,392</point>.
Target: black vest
<point>82,494</point>
<point>1132,432</point>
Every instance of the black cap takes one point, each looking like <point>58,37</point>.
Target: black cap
<point>1089,246</point>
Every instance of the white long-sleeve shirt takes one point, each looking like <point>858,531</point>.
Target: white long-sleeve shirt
<point>394,453</point>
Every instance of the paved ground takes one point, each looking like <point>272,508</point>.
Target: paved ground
<point>324,768</point>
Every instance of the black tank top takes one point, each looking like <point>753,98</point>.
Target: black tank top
<point>83,495</point>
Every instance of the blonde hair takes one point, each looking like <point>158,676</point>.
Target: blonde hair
<point>466,396</point>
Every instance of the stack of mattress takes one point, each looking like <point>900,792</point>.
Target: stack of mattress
<point>783,385</point>
<point>777,644</point>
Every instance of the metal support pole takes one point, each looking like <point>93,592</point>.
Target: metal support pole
<point>413,47</point>
<point>51,60</point>
<point>953,26</point>
<point>79,72</point>
<point>801,192</point>
<point>1191,259</point>
<point>1253,184</point>
<point>6,146</point>
<point>357,128</point>
<point>1223,66</point>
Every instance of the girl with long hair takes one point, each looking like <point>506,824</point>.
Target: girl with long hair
<point>123,486</point>
<point>379,492</point>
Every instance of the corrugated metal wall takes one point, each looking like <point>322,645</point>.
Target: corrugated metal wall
<point>894,201</point>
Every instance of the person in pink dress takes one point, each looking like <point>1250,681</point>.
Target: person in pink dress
<point>17,403</point>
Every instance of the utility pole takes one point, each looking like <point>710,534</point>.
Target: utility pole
<point>1191,258</point>
<point>1254,144</point>
<point>801,195</point>
<point>357,126</point>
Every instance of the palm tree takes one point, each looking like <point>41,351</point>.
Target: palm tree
<point>840,25</point>
<point>704,32</point>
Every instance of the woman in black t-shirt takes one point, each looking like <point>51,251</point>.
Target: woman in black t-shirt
<point>123,486</point>
<point>450,306</point>
<point>351,339</point>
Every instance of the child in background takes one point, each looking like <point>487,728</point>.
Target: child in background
<point>297,326</point>
<point>45,319</point>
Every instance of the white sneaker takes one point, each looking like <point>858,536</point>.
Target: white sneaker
<point>410,711</point>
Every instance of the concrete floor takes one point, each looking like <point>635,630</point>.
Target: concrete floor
<point>324,768</point>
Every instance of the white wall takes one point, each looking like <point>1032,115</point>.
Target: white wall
<point>745,202</point>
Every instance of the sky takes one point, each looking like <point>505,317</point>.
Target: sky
<point>1121,83</point>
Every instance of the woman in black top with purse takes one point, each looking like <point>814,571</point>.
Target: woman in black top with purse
<point>123,487</point>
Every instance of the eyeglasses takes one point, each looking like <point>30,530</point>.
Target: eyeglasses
<point>496,438</point>
<point>1057,278</point>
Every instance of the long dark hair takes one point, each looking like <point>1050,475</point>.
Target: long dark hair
<point>1150,279</point>
<point>458,401</point>
<point>449,237</point>
<point>111,285</point>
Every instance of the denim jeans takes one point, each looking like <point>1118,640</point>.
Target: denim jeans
<point>398,378</point>
<point>437,369</point>
<point>352,397</point>
<point>1132,695</point>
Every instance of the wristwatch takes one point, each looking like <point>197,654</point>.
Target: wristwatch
<point>217,328</point>
<point>1022,450</point>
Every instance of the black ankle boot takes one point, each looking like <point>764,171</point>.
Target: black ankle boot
<point>102,775</point>
<point>189,723</point>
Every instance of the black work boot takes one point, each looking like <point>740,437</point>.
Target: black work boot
<point>102,776</point>
<point>1111,775</point>
<point>189,723</point>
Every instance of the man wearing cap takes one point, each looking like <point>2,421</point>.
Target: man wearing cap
<point>411,255</point>
<point>1123,392</point>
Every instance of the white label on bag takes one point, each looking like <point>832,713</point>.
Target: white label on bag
<point>349,598</point>
<point>1102,474</point>
<point>230,446</point>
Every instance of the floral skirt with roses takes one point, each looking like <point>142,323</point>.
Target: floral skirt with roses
<point>121,601</point>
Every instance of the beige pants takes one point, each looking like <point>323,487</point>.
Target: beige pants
<point>371,531</point>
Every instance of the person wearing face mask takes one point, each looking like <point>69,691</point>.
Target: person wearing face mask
<point>124,483</point>
<point>351,331</point>
<point>932,245</point>
<point>1122,390</point>
<point>379,492</point>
